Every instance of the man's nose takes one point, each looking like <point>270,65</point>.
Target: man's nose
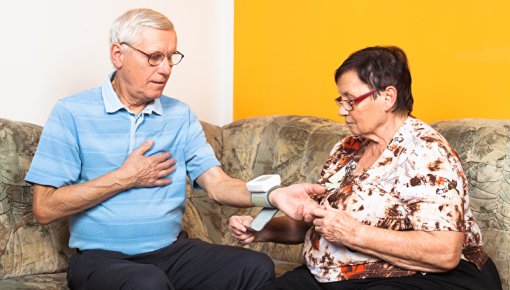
<point>165,67</point>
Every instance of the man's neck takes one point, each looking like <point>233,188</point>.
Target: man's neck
<point>130,103</point>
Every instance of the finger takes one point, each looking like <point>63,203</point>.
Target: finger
<point>317,212</point>
<point>237,224</point>
<point>144,147</point>
<point>308,218</point>
<point>165,173</point>
<point>247,241</point>
<point>309,206</point>
<point>251,239</point>
<point>165,168</point>
<point>245,236</point>
<point>171,169</point>
<point>314,188</point>
<point>161,182</point>
<point>240,228</point>
<point>318,222</point>
<point>173,161</point>
<point>239,237</point>
<point>162,157</point>
<point>238,233</point>
<point>318,189</point>
<point>246,222</point>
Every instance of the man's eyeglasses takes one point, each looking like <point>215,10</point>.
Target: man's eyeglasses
<point>349,104</point>
<point>157,57</point>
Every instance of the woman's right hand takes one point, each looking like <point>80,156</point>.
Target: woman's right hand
<point>239,228</point>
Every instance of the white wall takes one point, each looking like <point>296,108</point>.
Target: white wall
<point>51,49</point>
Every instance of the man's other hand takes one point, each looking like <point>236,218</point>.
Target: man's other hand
<point>239,228</point>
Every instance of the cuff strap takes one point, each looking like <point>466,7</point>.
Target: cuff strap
<point>261,199</point>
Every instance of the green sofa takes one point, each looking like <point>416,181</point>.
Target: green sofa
<point>34,256</point>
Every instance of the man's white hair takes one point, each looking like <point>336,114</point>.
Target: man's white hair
<point>129,26</point>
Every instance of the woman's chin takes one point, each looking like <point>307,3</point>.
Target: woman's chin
<point>352,128</point>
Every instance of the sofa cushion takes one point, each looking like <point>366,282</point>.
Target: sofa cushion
<point>26,247</point>
<point>33,282</point>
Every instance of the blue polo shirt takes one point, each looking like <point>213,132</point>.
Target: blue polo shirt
<point>90,134</point>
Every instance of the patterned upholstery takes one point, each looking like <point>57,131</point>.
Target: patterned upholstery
<point>296,147</point>
<point>26,247</point>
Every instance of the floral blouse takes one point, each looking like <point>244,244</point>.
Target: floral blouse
<point>416,184</point>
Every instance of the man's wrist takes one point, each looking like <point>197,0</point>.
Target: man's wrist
<point>272,194</point>
<point>261,188</point>
<point>261,199</point>
<point>123,181</point>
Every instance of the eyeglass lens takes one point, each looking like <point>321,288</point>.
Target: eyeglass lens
<point>158,57</point>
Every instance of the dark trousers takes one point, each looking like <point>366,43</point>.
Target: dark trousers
<point>465,276</point>
<point>186,264</point>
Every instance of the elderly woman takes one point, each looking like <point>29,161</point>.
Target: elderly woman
<point>396,213</point>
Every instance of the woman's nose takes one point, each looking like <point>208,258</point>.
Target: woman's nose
<point>342,111</point>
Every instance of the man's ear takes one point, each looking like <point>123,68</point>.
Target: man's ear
<point>116,55</point>
<point>390,97</point>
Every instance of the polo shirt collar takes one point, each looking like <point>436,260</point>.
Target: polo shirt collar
<point>112,102</point>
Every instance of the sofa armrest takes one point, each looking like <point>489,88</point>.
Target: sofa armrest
<point>26,246</point>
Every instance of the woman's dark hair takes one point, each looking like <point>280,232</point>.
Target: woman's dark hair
<point>380,67</point>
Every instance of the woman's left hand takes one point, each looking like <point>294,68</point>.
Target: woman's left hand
<point>335,225</point>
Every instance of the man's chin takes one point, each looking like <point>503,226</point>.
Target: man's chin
<point>154,94</point>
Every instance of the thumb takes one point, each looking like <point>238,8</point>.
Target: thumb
<point>144,147</point>
<point>246,222</point>
<point>317,188</point>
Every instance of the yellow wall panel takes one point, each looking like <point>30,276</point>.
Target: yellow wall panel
<point>286,52</point>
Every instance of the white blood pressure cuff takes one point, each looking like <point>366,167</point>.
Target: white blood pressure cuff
<point>261,187</point>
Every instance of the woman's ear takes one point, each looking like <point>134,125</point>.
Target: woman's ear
<point>390,98</point>
<point>116,55</point>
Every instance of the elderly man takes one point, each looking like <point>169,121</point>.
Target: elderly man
<point>114,160</point>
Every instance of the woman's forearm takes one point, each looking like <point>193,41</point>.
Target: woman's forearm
<point>435,251</point>
<point>283,230</point>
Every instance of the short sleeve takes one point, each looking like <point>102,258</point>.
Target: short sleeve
<point>432,189</point>
<point>199,154</point>
<point>57,159</point>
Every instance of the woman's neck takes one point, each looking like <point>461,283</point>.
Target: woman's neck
<point>380,139</point>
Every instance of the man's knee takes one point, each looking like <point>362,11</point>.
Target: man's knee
<point>265,263</point>
<point>147,277</point>
<point>260,267</point>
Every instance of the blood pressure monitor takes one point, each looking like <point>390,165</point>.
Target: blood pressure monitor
<point>260,188</point>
